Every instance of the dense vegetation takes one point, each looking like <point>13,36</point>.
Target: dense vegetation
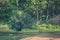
<point>30,15</point>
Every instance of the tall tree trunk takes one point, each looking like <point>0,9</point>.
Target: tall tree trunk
<point>47,11</point>
<point>37,13</point>
<point>17,2</point>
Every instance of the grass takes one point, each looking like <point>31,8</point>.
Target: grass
<point>9,34</point>
<point>9,37</point>
<point>17,36</point>
<point>36,28</point>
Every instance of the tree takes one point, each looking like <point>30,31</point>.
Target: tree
<point>17,23</point>
<point>27,12</point>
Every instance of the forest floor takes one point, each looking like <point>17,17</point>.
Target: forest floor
<point>29,36</point>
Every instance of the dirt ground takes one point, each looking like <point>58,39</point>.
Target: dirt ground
<point>40,38</point>
<point>43,37</point>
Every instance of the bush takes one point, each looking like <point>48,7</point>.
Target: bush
<point>46,27</point>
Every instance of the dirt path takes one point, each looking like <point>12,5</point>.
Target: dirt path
<point>40,38</point>
<point>44,37</point>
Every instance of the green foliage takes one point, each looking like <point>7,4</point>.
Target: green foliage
<point>31,13</point>
<point>47,27</point>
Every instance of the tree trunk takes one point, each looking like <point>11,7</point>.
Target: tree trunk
<point>17,2</point>
<point>47,11</point>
